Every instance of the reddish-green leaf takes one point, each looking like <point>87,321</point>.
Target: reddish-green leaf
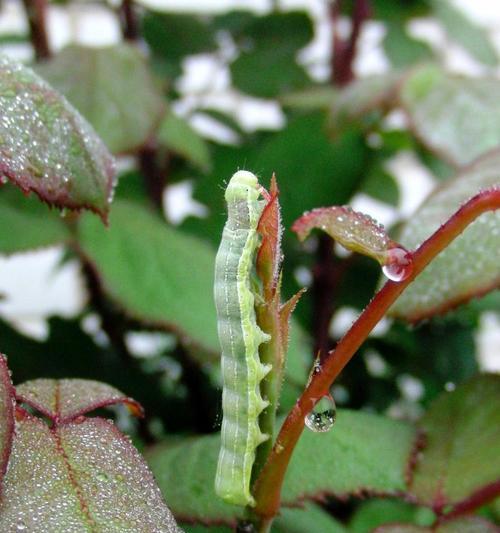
<point>470,265</point>
<point>47,147</point>
<point>80,476</point>
<point>65,399</point>
<point>6,416</point>
<point>455,116</point>
<point>359,233</point>
<point>269,257</point>
<point>461,460</point>
<point>113,89</point>
<point>472,524</point>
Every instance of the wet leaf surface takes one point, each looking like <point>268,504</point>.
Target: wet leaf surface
<point>6,416</point>
<point>470,265</point>
<point>79,477</point>
<point>461,457</point>
<point>65,399</point>
<point>113,89</point>
<point>47,147</point>
<point>457,117</point>
<point>339,462</point>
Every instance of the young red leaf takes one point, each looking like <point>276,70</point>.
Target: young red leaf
<point>47,147</point>
<point>286,311</point>
<point>6,416</point>
<point>65,399</point>
<point>269,258</point>
<point>360,233</point>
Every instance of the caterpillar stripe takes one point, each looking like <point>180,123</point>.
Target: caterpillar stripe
<point>239,337</point>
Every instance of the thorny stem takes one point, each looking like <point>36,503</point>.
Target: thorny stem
<point>328,271</point>
<point>268,486</point>
<point>36,11</point>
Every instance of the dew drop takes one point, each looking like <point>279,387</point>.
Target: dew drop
<point>322,417</point>
<point>399,264</point>
<point>21,526</point>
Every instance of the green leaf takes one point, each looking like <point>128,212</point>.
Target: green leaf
<point>97,481</point>
<point>401,49</point>
<point>113,89</point>
<point>310,519</point>
<point>179,137</point>
<point>363,452</point>
<point>472,524</point>
<point>270,44</point>
<point>31,225</point>
<point>381,185</point>
<point>311,99</point>
<point>373,513</point>
<point>6,417</point>
<point>65,399</point>
<point>363,96</point>
<point>47,147</point>
<point>469,266</point>
<point>457,117</point>
<point>142,263</point>
<point>460,427</point>
<point>465,32</point>
<point>173,36</point>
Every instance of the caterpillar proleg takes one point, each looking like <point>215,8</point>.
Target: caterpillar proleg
<point>239,337</point>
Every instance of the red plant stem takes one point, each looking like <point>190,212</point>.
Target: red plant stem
<point>328,270</point>
<point>344,51</point>
<point>36,12</point>
<point>268,486</point>
<point>129,22</point>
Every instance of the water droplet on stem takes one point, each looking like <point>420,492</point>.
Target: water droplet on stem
<point>322,417</point>
<point>399,264</point>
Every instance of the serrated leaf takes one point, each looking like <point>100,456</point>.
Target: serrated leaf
<point>359,233</point>
<point>460,427</point>
<point>179,137</point>
<point>31,224</point>
<point>47,147</point>
<point>113,89</point>
<point>472,524</point>
<point>271,43</point>
<point>465,32</point>
<point>142,263</point>
<point>65,399</point>
<point>457,117</point>
<point>363,452</point>
<point>6,417</point>
<point>97,481</point>
<point>470,265</point>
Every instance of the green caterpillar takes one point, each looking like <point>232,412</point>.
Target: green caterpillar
<point>239,337</point>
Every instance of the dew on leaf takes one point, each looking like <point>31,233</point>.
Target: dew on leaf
<point>322,417</point>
